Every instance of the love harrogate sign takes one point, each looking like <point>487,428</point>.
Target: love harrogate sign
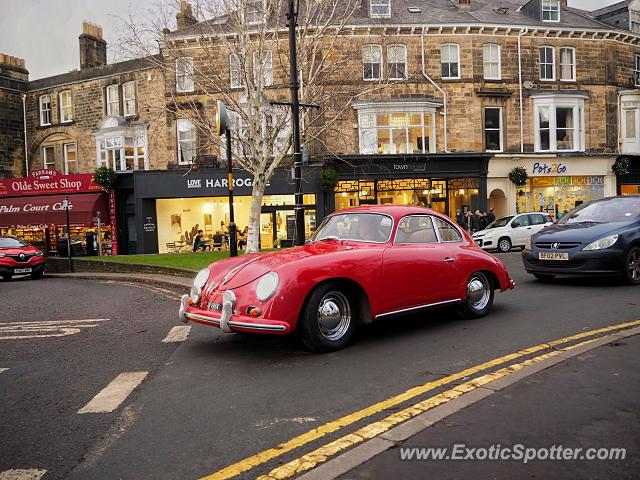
<point>44,182</point>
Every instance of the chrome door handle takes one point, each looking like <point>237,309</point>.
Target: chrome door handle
<point>449,260</point>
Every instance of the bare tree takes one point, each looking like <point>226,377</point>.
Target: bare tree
<point>232,51</point>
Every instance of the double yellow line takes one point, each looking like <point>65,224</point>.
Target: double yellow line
<point>321,454</point>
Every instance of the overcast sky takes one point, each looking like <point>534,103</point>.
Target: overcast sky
<point>45,32</point>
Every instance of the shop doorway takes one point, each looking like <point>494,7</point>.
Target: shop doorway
<point>131,232</point>
<point>498,202</point>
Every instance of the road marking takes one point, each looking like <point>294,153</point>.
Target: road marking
<point>115,393</point>
<point>3,370</point>
<point>177,334</point>
<point>32,474</point>
<point>322,454</point>
<point>157,290</point>
<point>318,432</point>
<point>45,328</point>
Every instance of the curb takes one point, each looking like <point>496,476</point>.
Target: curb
<point>146,280</point>
<point>371,448</point>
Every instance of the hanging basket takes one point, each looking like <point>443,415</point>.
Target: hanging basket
<point>519,176</point>
<point>328,180</point>
<point>621,166</point>
<point>105,177</point>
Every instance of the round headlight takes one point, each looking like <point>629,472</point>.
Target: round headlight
<point>267,286</point>
<point>201,279</point>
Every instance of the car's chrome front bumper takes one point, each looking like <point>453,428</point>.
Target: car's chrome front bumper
<point>226,320</point>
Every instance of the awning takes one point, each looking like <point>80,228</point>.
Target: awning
<point>48,210</point>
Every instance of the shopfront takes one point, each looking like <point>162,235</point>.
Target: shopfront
<point>556,185</point>
<point>170,208</point>
<point>443,183</point>
<point>34,209</point>
<point>629,184</point>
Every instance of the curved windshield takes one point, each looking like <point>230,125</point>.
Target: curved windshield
<point>357,227</point>
<point>623,210</point>
<point>8,242</point>
<point>501,222</point>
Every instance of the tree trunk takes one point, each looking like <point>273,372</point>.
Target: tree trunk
<point>253,239</point>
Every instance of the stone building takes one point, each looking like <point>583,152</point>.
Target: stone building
<point>13,88</point>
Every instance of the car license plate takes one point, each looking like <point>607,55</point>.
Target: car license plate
<point>214,306</point>
<point>553,256</point>
<point>22,270</point>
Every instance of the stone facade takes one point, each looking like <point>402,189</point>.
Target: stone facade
<point>13,85</point>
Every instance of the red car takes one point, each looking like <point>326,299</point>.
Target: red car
<point>19,258</point>
<point>362,264</point>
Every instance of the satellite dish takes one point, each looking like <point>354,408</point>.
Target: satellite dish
<point>528,84</point>
<point>222,118</point>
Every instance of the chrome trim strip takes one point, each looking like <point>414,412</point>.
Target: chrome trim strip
<point>232,323</point>
<point>413,309</point>
<point>231,273</point>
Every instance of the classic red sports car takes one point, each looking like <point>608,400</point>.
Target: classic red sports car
<point>362,264</point>
<point>19,258</point>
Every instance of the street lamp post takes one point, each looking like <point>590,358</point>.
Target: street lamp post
<point>292,16</point>
<point>222,126</point>
<point>66,206</point>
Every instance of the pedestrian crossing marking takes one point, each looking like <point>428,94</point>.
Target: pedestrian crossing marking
<point>110,397</point>
<point>45,329</point>
<point>3,370</point>
<point>177,334</point>
<point>22,474</point>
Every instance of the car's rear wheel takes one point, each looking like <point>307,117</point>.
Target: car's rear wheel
<point>7,277</point>
<point>504,245</point>
<point>328,319</point>
<point>37,275</point>
<point>479,299</point>
<point>544,278</point>
<point>632,266</point>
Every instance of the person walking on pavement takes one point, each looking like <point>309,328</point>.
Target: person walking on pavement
<point>491,217</point>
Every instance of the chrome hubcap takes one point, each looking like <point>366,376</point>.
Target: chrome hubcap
<point>334,316</point>
<point>634,265</point>
<point>478,291</point>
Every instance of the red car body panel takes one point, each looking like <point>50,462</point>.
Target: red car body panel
<point>393,277</point>
<point>10,259</point>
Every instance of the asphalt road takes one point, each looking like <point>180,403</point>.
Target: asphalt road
<point>216,399</point>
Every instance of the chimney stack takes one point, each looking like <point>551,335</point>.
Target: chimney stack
<point>464,3</point>
<point>13,68</point>
<point>184,17</point>
<point>93,48</point>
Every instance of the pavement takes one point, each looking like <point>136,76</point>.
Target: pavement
<point>111,398</point>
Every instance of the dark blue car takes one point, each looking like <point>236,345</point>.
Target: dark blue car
<point>597,238</point>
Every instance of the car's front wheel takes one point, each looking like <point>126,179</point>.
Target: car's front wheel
<point>504,245</point>
<point>37,275</point>
<point>632,266</point>
<point>7,277</point>
<point>479,299</point>
<point>327,322</point>
<point>544,278</point>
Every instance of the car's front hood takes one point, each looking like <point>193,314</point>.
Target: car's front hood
<point>585,232</point>
<point>487,232</point>
<point>247,268</point>
<point>18,251</point>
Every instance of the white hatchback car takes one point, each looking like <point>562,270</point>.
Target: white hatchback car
<point>513,231</point>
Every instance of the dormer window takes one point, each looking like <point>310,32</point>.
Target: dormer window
<point>380,8</point>
<point>550,10</point>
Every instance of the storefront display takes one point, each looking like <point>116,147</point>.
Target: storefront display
<point>559,195</point>
<point>630,189</point>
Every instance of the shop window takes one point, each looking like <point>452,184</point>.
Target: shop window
<point>391,132</point>
<point>263,68</point>
<point>129,98</point>
<point>450,61</point>
<point>186,142</point>
<point>380,8</point>
<point>547,63</point>
<point>45,110</point>
<point>49,157</point>
<point>559,124</point>
<point>66,107</point>
<point>492,62</point>
<point>550,10</point>
<point>235,72</point>
<point>493,129</point>
<point>184,74</point>
<point>568,64</point>
<point>397,62</point>
<point>372,62</point>
<point>70,158</point>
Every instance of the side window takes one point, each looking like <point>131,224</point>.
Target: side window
<point>537,219</point>
<point>521,221</point>
<point>416,230</point>
<point>448,233</point>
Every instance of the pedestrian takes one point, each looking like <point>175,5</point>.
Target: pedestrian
<point>90,239</point>
<point>459,218</point>
<point>491,217</point>
<point>482,220</point>
<point>63,246</point>
<point>197,242</point>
